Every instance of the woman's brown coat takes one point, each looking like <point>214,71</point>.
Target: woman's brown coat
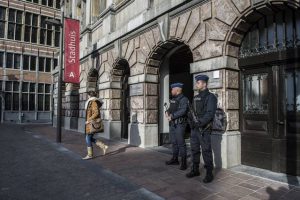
<point>92,113</point>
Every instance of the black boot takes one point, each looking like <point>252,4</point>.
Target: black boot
<point>183,165</point>
<point>173,161</point>
<point>209,176</point>
<point>194,171</point>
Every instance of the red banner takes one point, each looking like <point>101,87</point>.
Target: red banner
<point>71,40</point>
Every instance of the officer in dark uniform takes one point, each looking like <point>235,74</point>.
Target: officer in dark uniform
<point>204,108</point>
<point>177,116</point>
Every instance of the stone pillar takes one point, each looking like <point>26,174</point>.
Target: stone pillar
<point>55,81</point>
<point>224,82</point>
<point>72,106</point>
<point>143,129</point>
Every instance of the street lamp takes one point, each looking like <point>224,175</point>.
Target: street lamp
<point>59,23</point>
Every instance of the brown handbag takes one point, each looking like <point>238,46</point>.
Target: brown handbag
<point>96,126</point>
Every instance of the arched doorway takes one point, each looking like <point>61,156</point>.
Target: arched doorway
<point>175,58</point>
<point>270,92</point>
<point>122,70</point>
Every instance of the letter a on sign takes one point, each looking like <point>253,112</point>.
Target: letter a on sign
<point>71,39</point>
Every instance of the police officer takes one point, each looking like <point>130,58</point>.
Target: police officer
<point>177,116</point>
<point>204,107</point>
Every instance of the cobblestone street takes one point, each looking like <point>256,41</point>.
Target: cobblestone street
<point>140,168</point>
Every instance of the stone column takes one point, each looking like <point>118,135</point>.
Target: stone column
<point>224,82</point>
<point>55,83</point>
<point>143,129</point>
<point>72,106</point>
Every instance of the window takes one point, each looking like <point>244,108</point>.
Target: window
<point>41,64</point>
<point>44,91</point>
<point>26,61</point>
<point>33,63</point>
<point>48,65</point>
<point>12,95</point>
<point>17,61</point>
<point>13,61</point>
<point>15,23</point>
<point>55,63</point>
<point>32,96</point>
<point>2,21</point>
<point>1,59</point>
<point>31,27</point>
<point>25,96</point>
<point>57,5</point>
<point>46,34</point>
<point>57,36</point>
<point>44,2</point>
<point>256,93</point>
<point>9,60</point>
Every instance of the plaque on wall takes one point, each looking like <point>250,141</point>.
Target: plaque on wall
<point>136,89</point>
<point>215,79</point>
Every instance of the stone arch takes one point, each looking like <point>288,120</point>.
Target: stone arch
<point>250,14</point>
<point>160,51</point>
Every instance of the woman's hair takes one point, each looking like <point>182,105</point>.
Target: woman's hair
<point>92,93</point>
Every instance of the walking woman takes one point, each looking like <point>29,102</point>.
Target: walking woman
<point>93,124</point>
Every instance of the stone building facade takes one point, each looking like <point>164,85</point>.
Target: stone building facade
<point>132,50</point>
<point>28,54</point>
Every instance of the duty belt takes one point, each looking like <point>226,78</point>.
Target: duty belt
<point>180,120</point>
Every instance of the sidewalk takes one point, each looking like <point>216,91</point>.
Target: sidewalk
<point>146,168</point>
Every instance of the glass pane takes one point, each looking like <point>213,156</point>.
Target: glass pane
<point>24,101</point>
<point>11,31</point>
<point>15,101</point>
<point>40,102</point>
<point>48,65</point>
<point>44,2</point>
<point>17,61</point>
<point>42,36</point>
<point>271,31</point>
<point>2,28</point>
<point>9,60</point>
<point>8,86</point>
<point>32,87</point>
<point>33,63</point>
<point>34,20</point>
<point>2,13</point>
<point>297,14</point>
<point>50,3</point>
<point>279,30</point>
<point>47,102</point>
<point>8,100</point>
<point>35,1</point>
<point>41,64</point>
<point>31,101</point>
<point>43,24</point>
<point>27,34</point>
<point>34,35</point>
<point>264,92</point>
<point>289,28</point>
<point>57,38</point>
<point>18,32</point>
<point>25,87</point>
<point>298,90</point>
<point>16,86</point>
<point>49,38</point>
<point>55,63</point>
<point>289,83</point>
<point>262,33</point>
<point>256,94</point>
<point>19,17</point>
<point>26,62</point>
<point>41,88</point>
<point>57,4</point>
<point>47,88</point>
<point>28,18</point>
<point>11,15</point>
<point>1,59</point>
